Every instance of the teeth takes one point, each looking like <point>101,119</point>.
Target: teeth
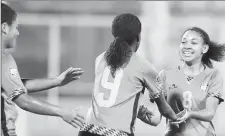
<point>187,53</point>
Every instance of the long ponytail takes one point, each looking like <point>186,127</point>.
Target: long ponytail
<point>118,53</point>
<point>126,29</point>
<point>216,52</point>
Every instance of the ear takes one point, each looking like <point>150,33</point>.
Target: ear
<point>205,48</point>
<point>5,28</point>
<point>139,38</point>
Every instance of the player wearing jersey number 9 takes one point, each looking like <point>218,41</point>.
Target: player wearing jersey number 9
<point>121,77</point>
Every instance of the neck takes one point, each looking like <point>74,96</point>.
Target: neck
<point>193,69</point>
<point>3,44</point>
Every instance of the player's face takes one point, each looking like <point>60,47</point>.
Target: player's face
<point>11,32</point>
<point>192,47</point>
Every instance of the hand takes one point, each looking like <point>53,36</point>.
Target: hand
<point>182,117</point>
<point>69,75</point>
<point>145,115</point>
<point>73,118</point>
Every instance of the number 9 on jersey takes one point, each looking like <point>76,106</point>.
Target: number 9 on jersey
<point>112,86</point>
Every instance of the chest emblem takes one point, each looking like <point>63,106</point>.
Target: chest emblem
<point>173,86</point>
<point>14,73</point>
<point>204,86</point>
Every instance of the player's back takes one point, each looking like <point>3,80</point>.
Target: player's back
<point>115,101</point>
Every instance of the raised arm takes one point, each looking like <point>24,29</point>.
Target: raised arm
<point>14,90</point>
<point>152,83</point>
<point>35,85</point>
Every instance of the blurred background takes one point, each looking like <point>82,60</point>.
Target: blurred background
<point>55,35</point>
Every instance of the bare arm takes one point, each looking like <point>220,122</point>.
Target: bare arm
<point>214,97</point>
<point>35,85</point>
<point>208,113</point>
<point>165,109</point>
<point>154,85</point>
<point>33,105</point>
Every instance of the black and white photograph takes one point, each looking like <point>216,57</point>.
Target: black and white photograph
<point>112,68</point>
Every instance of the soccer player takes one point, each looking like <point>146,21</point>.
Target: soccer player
<point>14,90</point>
<point>121,77</point>
<point>194,89</point>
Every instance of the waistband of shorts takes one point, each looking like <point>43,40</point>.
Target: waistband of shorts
<point>99,130</point>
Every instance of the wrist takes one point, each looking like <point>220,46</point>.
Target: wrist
<point>57,81</point>
<point>60,112</point>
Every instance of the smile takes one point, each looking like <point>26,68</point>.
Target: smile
<point>187,53</point>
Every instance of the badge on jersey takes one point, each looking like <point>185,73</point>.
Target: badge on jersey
<point>204,86</point>
<point>14,76</point>
<point>173,86</point>
<point>14,73</point>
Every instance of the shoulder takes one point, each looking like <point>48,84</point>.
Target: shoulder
<point>101,55</point>
<point>169,70</point>
<point>7,59</point>
<point>216,74</point>
<point>143,64</point>
<point>99,58</point>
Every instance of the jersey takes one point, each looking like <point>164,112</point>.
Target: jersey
<point>116,100</point>
<point>11,88</point>
<point>182,93</point>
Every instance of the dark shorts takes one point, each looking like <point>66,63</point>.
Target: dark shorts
<point>93,130</point>
<point>84,133</point>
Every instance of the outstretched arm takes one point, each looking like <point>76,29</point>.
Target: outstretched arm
<point>165,109</point>
<point>214,98</point>
<point>35,85</point>
<point>206,114</point>
<point>33,105</point>
<point>13,89</point>
<point>154,85</point>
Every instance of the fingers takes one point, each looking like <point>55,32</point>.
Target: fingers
<point>179,121</point>
<point>176,123</point>
<point>77,73</point>
<point>77,122</point>
<point>80,118</point>
<point>76,70</point>
<point>72,69</point>
<point>74,124</point>
<point>69,69</point>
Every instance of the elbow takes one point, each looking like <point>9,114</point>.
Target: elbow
<point>155,123</point>
<point>211,116</point>
<point>24,106</point>
<point>22,102</point>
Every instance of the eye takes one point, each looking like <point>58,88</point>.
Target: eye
<point>194,43</point>
<point>183,42</point>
